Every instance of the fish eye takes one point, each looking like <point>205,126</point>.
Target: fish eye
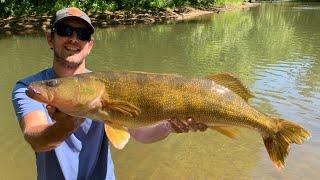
<point>52,83</point>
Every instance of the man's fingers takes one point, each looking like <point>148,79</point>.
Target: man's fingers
<point>175,128</point>
<point>196,126</point>
<point>58,115</point>
<point>55,114</point>
<point>51,110</point>
<point>192,124</point>
<point>174,125</point>
<point>178,126</point>
<point>202,127</point>
<point>65,119</point>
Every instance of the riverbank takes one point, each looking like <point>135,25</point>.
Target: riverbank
<point>34,24</point>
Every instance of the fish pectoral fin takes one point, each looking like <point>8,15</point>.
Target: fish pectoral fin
<point>227,131</point>
<point>231,82</point>
<point>117,135</point>
<point>122,107</point>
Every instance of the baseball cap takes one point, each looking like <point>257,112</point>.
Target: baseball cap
<point>72,12</point>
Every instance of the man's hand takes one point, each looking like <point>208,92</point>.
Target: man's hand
<point>67,121</point>
<point>44,136</point>
<point>157,132</point>
<point>179,126</point>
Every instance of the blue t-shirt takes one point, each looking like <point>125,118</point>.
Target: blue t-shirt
<point>85,154</point>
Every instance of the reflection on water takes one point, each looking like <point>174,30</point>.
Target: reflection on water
<point>274,48</point>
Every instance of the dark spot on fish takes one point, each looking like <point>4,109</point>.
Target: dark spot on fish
<point>177,82</point>
<point>206,84</point>
<point>159,77</point>
<point>52,83</point>
<point>142,79</point>
<point>112,76</point>
<point>229,96</point>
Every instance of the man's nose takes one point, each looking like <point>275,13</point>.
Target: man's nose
<point>74,36</point>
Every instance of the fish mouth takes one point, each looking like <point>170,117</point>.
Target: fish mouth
<point>39,94</point>
<point>32,93</point>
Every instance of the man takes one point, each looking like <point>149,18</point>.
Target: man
<point>69,147</point>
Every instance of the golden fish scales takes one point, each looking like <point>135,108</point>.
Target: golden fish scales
<point>134,99</point>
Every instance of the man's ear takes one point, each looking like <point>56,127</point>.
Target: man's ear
<point>90,45</point>
<point>49,37</point>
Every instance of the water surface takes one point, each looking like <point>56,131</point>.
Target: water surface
<point>274,48</point>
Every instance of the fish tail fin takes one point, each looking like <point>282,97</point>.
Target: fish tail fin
<point>277,144</point>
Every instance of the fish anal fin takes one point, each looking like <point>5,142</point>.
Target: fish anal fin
<point>122,107</point>
<point>227,131</point>
<point>231,82</point>
<point>117,135</point>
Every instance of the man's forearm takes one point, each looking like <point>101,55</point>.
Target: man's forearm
<point>46,137</point>
<point>151,133</point>
<point>161,130</point>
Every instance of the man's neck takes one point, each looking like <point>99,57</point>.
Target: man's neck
<point>62,71</point>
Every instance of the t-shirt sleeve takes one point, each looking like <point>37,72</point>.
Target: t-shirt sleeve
<point>22,104</point>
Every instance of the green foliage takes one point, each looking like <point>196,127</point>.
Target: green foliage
<point>228,2</point>
<point>141,4</point>
<point>27,7</point>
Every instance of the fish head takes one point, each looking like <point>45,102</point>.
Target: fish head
<point>69,94</point>
<point>42,91</point>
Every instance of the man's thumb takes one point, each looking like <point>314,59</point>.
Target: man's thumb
<point>51,110</point>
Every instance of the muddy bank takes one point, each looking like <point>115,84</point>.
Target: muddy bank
<point>34,24</point>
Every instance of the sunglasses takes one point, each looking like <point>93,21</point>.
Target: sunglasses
<point>64,30</point>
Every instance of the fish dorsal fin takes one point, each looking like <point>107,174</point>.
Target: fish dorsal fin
<point>227,131</point>
<point>117,135</point>
<point>231,82</point>
<point>150,73</point>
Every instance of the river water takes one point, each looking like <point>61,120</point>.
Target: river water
<point>274,48</point>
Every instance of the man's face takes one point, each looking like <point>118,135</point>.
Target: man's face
<point>70,51</point>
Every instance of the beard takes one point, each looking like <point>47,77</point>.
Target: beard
<point>67,64</point>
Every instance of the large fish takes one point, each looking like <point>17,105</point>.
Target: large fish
<point>135,99</point>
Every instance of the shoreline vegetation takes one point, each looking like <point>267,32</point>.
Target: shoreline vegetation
<point>38,24</point>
